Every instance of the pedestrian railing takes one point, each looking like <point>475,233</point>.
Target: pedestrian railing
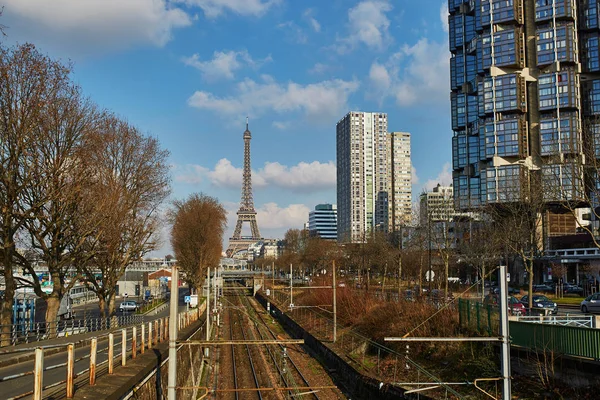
<point>119,346</point>
<point>567,340</point>
<point>582,321</point>
<point>34,332</point>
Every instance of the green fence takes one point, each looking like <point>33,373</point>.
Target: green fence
<point>568,340</point>
<point>476,316</point>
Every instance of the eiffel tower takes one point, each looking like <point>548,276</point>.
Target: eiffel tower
<point>246,213</point>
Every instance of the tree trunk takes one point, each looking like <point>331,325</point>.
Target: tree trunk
<point>111,311</point>
<point>447,267</point>
<point>7,306</point>
<point>482,282</point>
<point>52,306</point>
<point>421,275</point>
<point>383,281</point>
<point>530,273</point>
<point>399,276</point>
<point>368,279</point>
<point>102,305</point>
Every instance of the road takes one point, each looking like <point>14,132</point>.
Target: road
<point>22,385</point>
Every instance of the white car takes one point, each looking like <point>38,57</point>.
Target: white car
<point>128,306</point>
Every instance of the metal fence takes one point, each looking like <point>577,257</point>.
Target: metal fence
<point>33,332</point>
<point>581,321</point>
<point>115,347</point>
<point>568,340</point>
<point>479,317</point>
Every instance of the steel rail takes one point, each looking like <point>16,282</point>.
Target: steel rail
<point>235,383</point>
<point>289,358</point>
<point>240,319</point>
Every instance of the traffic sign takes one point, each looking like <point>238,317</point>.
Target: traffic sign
<point>187,299</point>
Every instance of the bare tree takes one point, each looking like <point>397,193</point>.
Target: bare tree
<point>521,226</point>
<point>130,184</point>
<point>482,247</point>
<point>294,246</point>
<point>60,227</point>
<point>27,81</point>
<point>439,213</point>
<point>197,235</point>
<point>2,27</point>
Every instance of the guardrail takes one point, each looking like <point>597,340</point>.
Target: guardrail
<point>568,340</point>
<point>146,335</point>
<point>582,321</point>
<point>33,332</point>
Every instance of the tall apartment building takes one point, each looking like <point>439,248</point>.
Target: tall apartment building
<point>322,221</point>
<point>400,180</point>
<point>436,205</point>
<point>525,96</point>
<point>366,169</point>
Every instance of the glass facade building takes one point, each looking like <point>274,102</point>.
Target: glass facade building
<point>322,221</point>
<point>525,97</point>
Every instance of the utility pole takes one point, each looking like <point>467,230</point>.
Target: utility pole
<point>174,302</point>
<point>334,305</point>
<point>273,277</point>
<point>505,361</point>
<point>291,287</point>
<point>206,351</point>
<point>429,246</point>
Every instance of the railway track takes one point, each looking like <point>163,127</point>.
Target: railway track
<point>256,371</point>
<point>292,376</point>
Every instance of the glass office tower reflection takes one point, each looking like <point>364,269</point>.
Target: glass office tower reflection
<point>525,97</point>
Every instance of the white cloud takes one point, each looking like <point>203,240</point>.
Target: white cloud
<point>319,68</point>
<point>414,178</point>
<point>367,23</point>
<point>379,76</point>
<point>417,74</point>
<point>272,216</point>
<point>318,101</point>
<point>425,75</point>
<point>273,220</point>
<point>94,25</point>
<point>226,175</point>
<point>314,175</point>
<point>444,178</point>
<point>444,16</point>
<point>192,174</point>
<point>223,64</point>
<point>215,8</point>
<point>303,177</point>
<point>293,32</point>
<point>280,125</point>
<point>314,24</point>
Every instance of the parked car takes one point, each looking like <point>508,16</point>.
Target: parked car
<point>543,288</point>
<point>437,297</point>
<point>515,307</point>
<point>541,305</point>
<point>510,290</point>
<point>591,304</point>
<point>409,295</point>
<point>569,288</point>
<point>128,306</point>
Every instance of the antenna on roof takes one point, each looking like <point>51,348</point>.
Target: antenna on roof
<point>246,123</point>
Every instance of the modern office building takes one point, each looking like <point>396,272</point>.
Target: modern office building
<point>367,175</point>
<point>322,221</point>
<point>525,96</point>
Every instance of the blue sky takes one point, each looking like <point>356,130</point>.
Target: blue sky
<point>190,71</point>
